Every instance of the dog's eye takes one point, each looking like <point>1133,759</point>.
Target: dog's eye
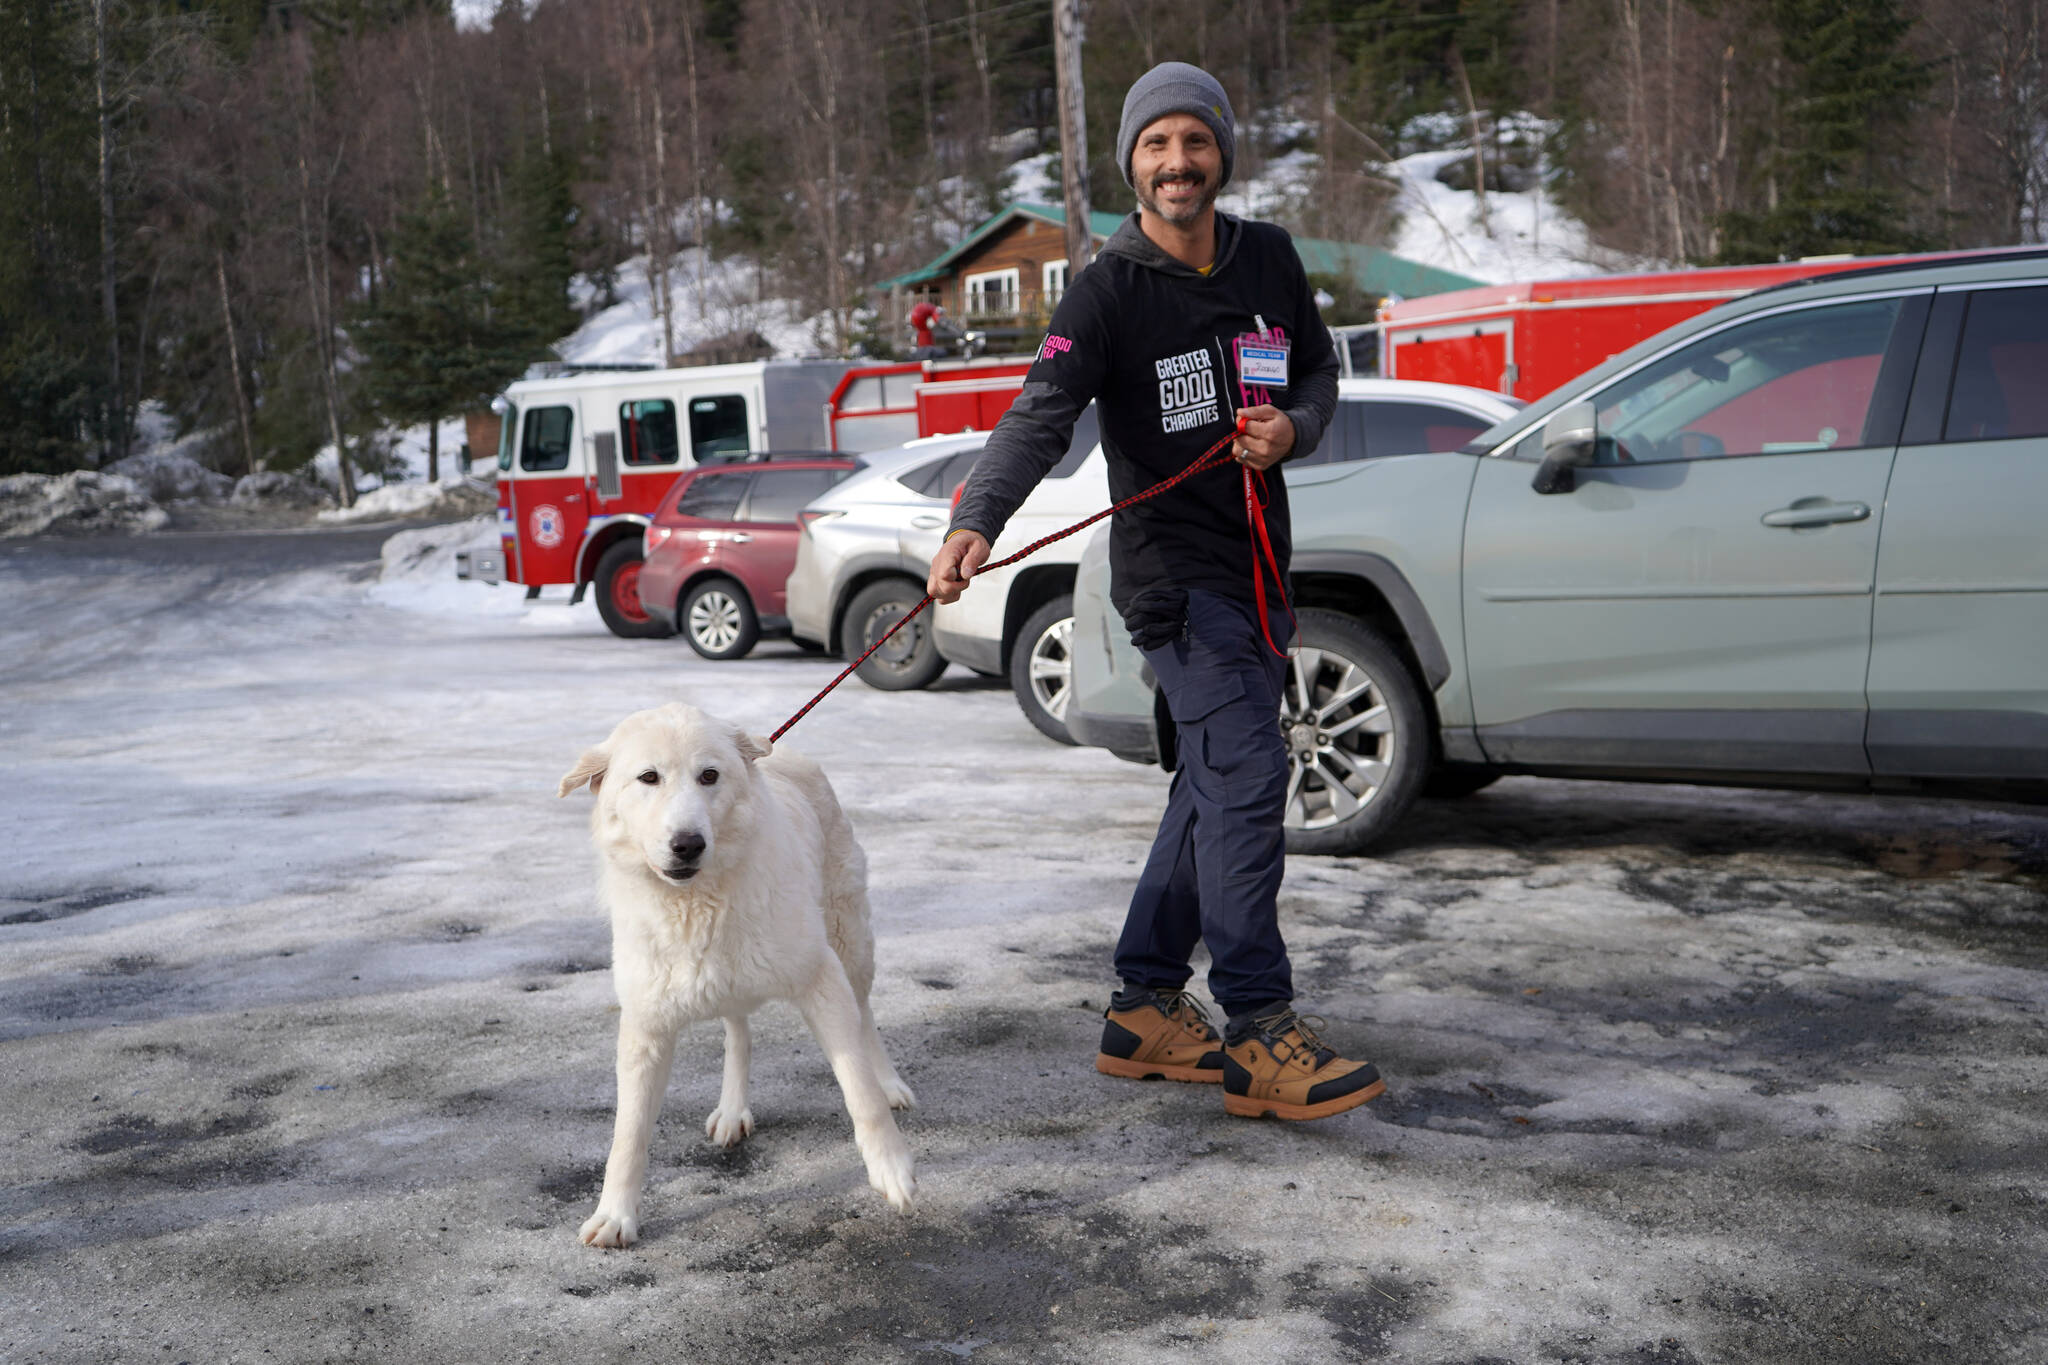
<point>651,778</point>
<point>708,778</point>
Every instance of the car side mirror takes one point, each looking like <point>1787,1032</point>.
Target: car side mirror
<point>1569,437</point>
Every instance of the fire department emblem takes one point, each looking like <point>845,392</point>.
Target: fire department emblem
<point>547,526</point>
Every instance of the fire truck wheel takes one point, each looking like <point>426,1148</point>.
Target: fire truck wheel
<point>617,585</point>
<point>718,619</point>
<point>911,658</point>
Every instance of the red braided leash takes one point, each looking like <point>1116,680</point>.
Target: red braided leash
<point>1212,458</point>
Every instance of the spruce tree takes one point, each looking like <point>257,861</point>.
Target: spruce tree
<point>537,258</point>
<point>431,346</point>
<point>1846,109</point>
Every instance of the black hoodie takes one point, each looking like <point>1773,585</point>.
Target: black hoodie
<point>1152,341</point>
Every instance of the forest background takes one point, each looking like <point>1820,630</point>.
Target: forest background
<point>295,223</point>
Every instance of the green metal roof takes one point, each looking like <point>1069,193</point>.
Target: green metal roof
<point>1372,269</point>
<point>1377,271</point>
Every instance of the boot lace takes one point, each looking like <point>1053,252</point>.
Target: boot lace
<point>1184,1008</point>
<point>1281,1023</point>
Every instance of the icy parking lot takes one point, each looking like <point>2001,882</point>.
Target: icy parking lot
<point>305,1019</point>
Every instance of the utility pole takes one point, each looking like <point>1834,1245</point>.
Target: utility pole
<point>1066,42</point>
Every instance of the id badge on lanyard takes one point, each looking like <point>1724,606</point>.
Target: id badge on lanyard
<point>1262,359</point>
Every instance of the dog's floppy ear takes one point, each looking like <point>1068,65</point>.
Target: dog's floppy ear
<point>589,768</point>
<point>752,747</point>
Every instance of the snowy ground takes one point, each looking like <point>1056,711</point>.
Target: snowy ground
<point>308,1042</point>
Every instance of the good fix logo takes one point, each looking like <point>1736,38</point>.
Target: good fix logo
<point>1187,391</point>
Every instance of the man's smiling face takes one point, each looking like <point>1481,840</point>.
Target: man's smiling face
<point>1177,168</point>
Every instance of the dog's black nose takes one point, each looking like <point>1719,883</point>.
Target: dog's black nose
<point>687,847</point>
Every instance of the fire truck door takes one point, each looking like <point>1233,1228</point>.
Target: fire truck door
<point>549,493</point>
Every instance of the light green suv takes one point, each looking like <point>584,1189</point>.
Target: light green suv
<point>1798,541</point>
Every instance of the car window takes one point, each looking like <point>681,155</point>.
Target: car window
<point>2001,386</point>
<point>778,493</point>
<point>647,432</point>
<point>1790,382</point>
<point>547,439</point>
<point>714,497</point>
<point>938,478</point>
<point>1344,441</point>
<point>1411,428</point>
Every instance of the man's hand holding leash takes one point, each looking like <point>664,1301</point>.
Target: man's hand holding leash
<point>958,560</point>
<point>1268,438</point>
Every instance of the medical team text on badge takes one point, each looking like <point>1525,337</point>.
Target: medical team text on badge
<point>1264,365</point>
<point>1187,391</point>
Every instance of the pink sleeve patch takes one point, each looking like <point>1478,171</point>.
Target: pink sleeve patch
<point>1054,345</point>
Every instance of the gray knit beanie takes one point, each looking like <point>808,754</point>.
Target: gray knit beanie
<point>1176,88</point>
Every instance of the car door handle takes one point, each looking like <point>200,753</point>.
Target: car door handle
<point>739,537</point>
<point>927,523</point>
<point>1817,512</point>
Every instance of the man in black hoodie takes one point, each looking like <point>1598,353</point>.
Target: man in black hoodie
<point>1189,322</point>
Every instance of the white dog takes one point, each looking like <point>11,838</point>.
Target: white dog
<point>732,878</point>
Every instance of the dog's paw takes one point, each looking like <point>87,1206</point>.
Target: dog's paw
<point>728,1127</point>
<point>895,1175</point>
<point>609,1228</point>
<point>897,1093</point>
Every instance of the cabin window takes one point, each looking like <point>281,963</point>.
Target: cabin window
<point>991,292</point>
<point>1053,278</point>
<point>647,432</point>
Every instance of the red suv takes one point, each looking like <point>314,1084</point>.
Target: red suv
<point>722,545</point>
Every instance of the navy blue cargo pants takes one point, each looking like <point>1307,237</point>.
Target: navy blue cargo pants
<point>1215,868</point>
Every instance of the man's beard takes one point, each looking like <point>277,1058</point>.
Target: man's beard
<point>1179,216</point>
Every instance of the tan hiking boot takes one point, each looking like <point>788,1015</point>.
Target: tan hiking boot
<point>1281,1068</point>
<point>1166,1035</point>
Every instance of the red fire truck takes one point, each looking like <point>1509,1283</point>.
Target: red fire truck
<point>1526,339</point>
<point>585,453</point>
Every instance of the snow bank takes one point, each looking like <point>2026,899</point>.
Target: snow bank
<point>417,574</point>
<point>170,475</point>
<point>427,554</point>
<point>273,488</point>
<point>396,500</point>
<point>83,501</point>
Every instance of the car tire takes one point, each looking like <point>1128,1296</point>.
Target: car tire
<point>911,660</point>
<point>1452,782</point>
<point>718,619</point>
<point>617,585</point>
<point>1042,667</point>
<point>1357,736</point>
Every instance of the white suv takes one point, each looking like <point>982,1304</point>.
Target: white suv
<point>1018,621</point>
<point>861,558</point>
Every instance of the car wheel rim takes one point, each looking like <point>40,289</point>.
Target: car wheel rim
<point>1340,739</point>
<point>714,620</point>
<point>626,592</point>
<point>901,650</point>
<point>1051,668</point>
